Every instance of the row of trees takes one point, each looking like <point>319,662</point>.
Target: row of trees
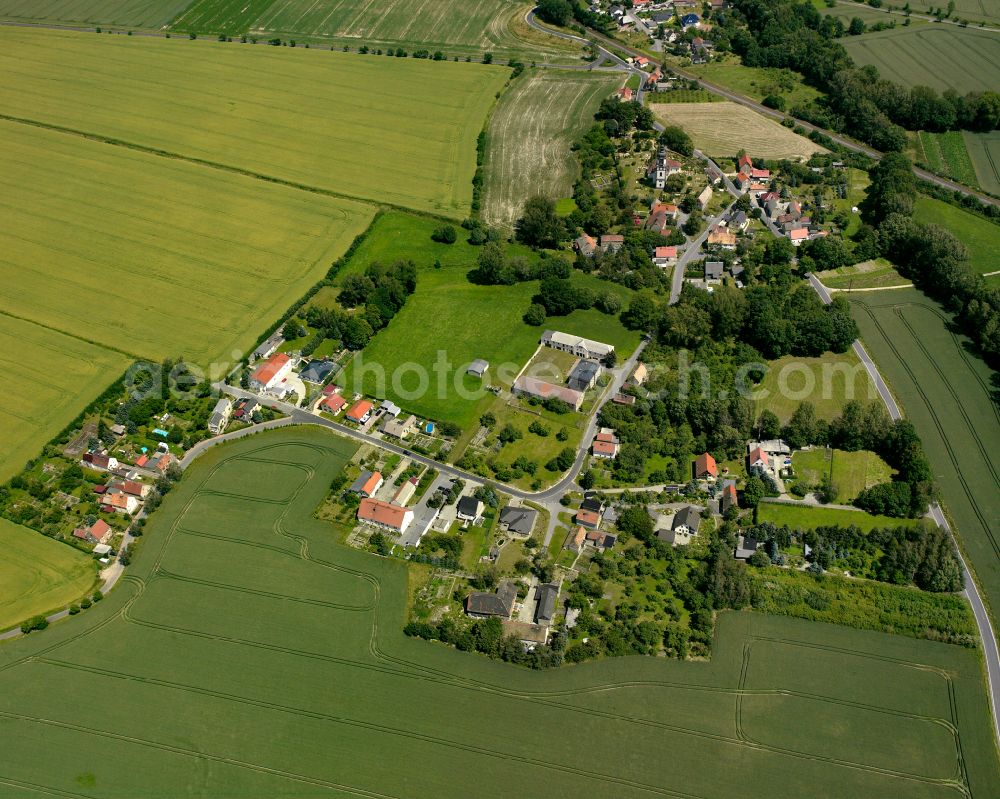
<point>795,35</point>
<point>930,255</point>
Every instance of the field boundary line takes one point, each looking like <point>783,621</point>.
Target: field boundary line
<point>235,170</point>
<point>91,342</point>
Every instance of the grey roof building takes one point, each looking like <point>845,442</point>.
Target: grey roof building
<point>478,367</point>
<point>713,270</point>
<point>584,375</point>
<point>317,371</point>
<point>546,610</point>
<point>686,519</point>
<point>518,520</point>
<point>485,603</point>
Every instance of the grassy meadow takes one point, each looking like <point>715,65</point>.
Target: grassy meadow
<point>827,382</point>
<point>38,575</point>
<point>850,472</point>
<point>981,236</point>
<point>875,715</point>
<point>722,129</point>
<point>529,138</point>
<point>153,256</point>
<point>940,56</point>
<point>947,394</point>
<point>877,273</point>
<point>333,121</point>
<point>757,82</point>
<point>809,517</point>
<point>984,151</point>
<point>50,378</point>
<point>465,321</point>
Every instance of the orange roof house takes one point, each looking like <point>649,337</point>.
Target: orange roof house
<point>372,484</point>
<point>360,411</point>
<point>272,371</point>
<point>588,518</point>
<point>705,467</point>
<point>385,514</point>
<point>334,404</point>
<point>758,457</point>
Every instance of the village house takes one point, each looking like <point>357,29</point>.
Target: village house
<point>580,347</point>
<point>605,444</point>
<point>583,376</point>
<point>685,524</point>
<point>160,462</point>
<point>576,539</point>
<point>585,245</point>
<point>588,518</point>
<point>268,347</point>
<point>532,387</point>
<point>100,462</point>
<point>478,368</point>
<point>705,198</point>
<point>220,416</point>
<point>98,533</point>
<point>625,94</point>
<point>360,412</point>
<point>384,515</point>
<point>758,459</point>
<point>243,410</point>
<point>728,498</point>
<point>664,256</point>
<point>484,604</point>
<point>398,428</point>
<point>518,520</point>
<point>405,492</point>
<point>713,272</point>
<point>469,509</point>
<point>798,235</point>
<point>317,371</point>
<point>334,404</point>
<point>746,545</point>
<point>366,484</point>
<point>721,237</point>
<point>545,610</point>
<point>269,376</point>
<point>119,503</point>
<point>705,467</point>
<point>640,374</point>
<point>612,242</point>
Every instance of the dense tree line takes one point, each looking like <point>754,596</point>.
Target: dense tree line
<point>487,636</point>
<point>795,35</point>
<point>929,254</point>
<point>382,291</point>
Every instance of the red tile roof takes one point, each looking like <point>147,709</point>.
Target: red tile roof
<point>588,518</point>
<point>799,234</point>
<point>374,510</point>
<point>265,373</point>
<point>758,455</point>
<point>605,448</point>
<point>142,460</point>
<point>100,528</point>
<point>665,252</point>
<point>372,484</point>
<point>334,403</point>
<point>358,410</point>
<point>705,465</point>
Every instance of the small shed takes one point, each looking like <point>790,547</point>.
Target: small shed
<point>478,367</point>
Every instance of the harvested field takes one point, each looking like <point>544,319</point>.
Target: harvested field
<point>984,150</point>
<point>940,56</point>
<point>39,576</point>
<point>722,129</point>
<point>51,378</point>
<point>877,715</point>
<point>332,122</point>
<point>529,138</point>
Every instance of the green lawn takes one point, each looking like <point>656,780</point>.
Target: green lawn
<point>242,106</point>
<point>246,615</point>
<point>39,576</point>
<point>878,273</point>
<point>948,395</point>
<point>451,322</point>
<point>979,235</point>
<point>808,517</point>
<point>757,82</point>
<point>827,382</point>
<point>851,472</point>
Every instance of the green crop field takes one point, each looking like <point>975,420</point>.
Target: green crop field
<point>850,472</point>
<point>940,56</point>
<point>127,13</point>
<point>984,150</point>
<point>529,138</point>
<point>153,256</point>
<point>448,314</point>
<point>981,236</point>
<point>947,394</point>
<point>39,575</point>
<point>946,154</point>
<point>51,377</point>
<point>827,382</point>
<point>248,654</point>
<point>399,131</point>
<point>809,517</point>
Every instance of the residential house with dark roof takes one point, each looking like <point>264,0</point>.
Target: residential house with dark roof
<point>713,271</point>
<point>519,520</point>
<point>583,376</point>
<point>318,370</point>
<point>469,508</point>
<point>545,610</point>
<point>685,524</point>
<point>484,604</point>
